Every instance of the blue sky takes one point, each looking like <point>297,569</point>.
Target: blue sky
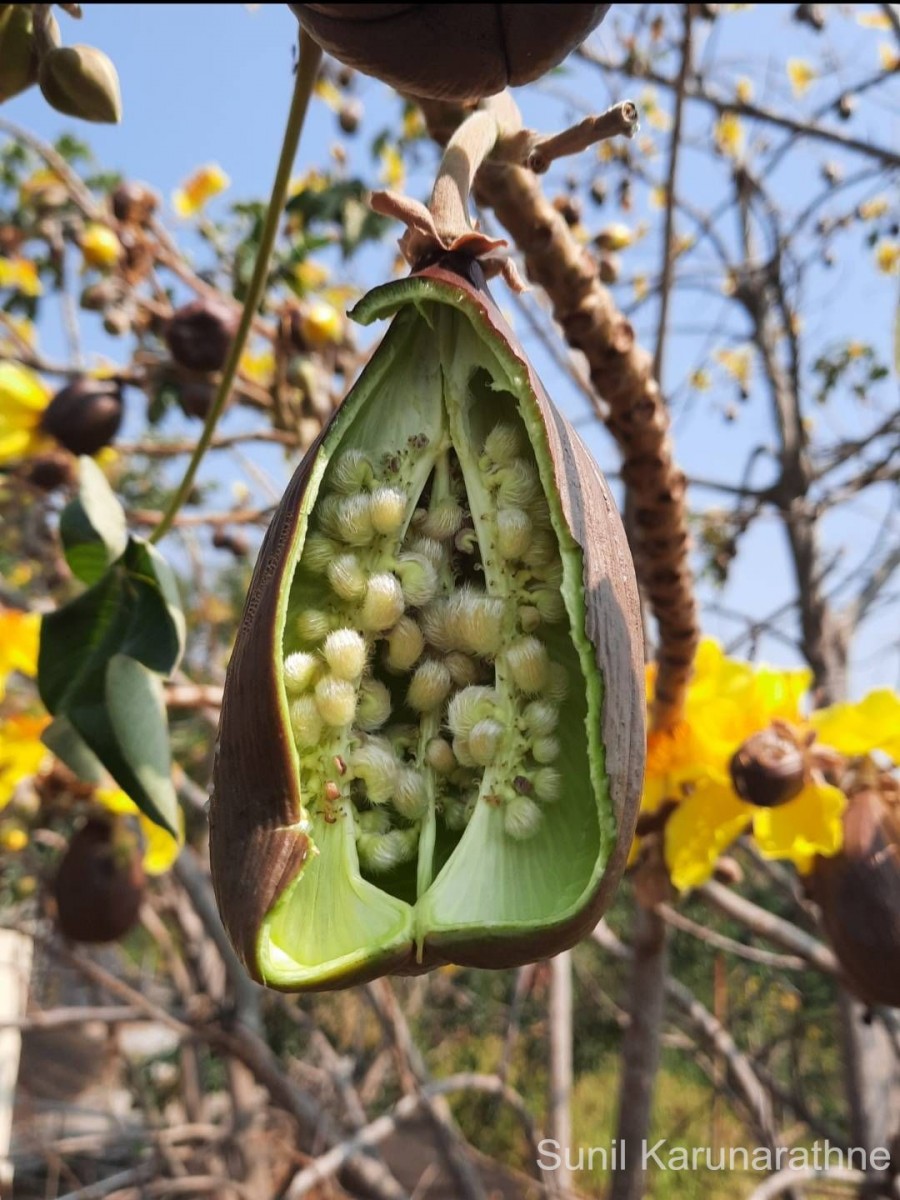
<point>212,83</point>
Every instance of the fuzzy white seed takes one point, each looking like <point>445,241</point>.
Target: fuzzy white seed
<point>521,818</point>
<point>375,820</point>
<point>513,532</point>
<point>437,625</point>
<point>411,794</point>
<point>504,443</point>
<point>346,576</point>
<point>547,784</point>
<point>405,644</point>
<point>300,671</point>
<point>540,717</point>
<point>550,605</point>
<point>375,764</point>
<point>434,551</point>
<point>354,520</point>
<point>429,686</point>
<point>443,521</point>
<point>388,509</point>
<point>529,618</point>
<point>350,472</point>
<point>528,664</point>
<point>519,485</point>
<point>440,757</point>
<point>463,669</point>
<point>345,653</point>
<point>466,541</point>
<point>383,605</point>
<point>335,700</point>
<point>418,578</point>
<point>545,749</point>
<point>318,552</point>
<point>373,706</point>
<point>379,853</point>
<point>484,741</point>
<point>463,752</point>
<point>476,622</point>
<point>557,683</point>
<point>306,722</point>
<point>312,625</point>
<point>542,552</point>
<point>469,706</point>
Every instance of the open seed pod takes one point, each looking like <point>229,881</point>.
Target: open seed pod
<point>858,891</point>
<point>457,52</point>
<point>431,743</point>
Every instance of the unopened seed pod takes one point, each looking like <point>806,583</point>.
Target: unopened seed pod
<point>303,908</point>
<point>458,52</point>
<point>199,334</point>
<point>85,415</point>
<point>99,885</point>
<point>858,891</point>
<point>81,81</point>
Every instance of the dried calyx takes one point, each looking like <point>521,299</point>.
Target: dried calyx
<point>431,742</point>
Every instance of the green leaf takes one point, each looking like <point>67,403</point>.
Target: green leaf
<point>62,739</point>
<point>137,711</point>
<point>92,527</point>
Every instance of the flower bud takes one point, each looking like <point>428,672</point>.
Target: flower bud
<point>85,415</point>
<point>199,334</point>
<point>81,81</point>
<point>100,247</point>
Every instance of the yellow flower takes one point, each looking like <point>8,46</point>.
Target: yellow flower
<point>870,210</point>
<point>888,57</point>
<point>328,92</point>
<point>13,838</point>
<point>700,829</point>
<point>413,123</point>
<point>658,197</point>
<point>23,398</point>
<point>856,729</point>
<point>321,325</point>
<point>650,111</point>
<point>615,237</point>
<point>21,275</point>
<point>801,75</point>
<point>43,185</point>
<point>19,638</point>
<point>100,247</point>
<point>887,257</point>
<point>737,363</point>
<point>198,189</point>
<point>700,380</point>
<point>743,90</point>
<point>808,825</point>
<point>728,135</point>
<point>21,752</point>
<point>310,275</point>
<point>258,367</point>
<point>393,171</point>
<point>160,848</point>
<point>312,181</point>
<point>641,287</point>
<point>873,20</point>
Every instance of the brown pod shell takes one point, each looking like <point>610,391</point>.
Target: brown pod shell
<point>260,841</point>
<point>858,891</point>
<point>768,769</point>
<point>85,415</point>
<point>99,886</point>
<point>199,334</point>
<point>456,52</point>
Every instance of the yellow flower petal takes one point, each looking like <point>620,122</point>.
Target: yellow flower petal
<point>321,325</point>
<point>160,848</point>
<point>802,75</point>
<point>871,210</point>
<point>743,89</point>
<point>19,637</point>
<point>738,364</point>
<point>856,729</point>
<point>809,824</point>
<point>21,752</point>
<point>20,274</point>
<point>701,828</point>
<point>100,247</point>
<point>393,171</point>
<point>728,135</point>
<point>888,57</point>
<point>23,398</point>
<point>196,192</point>
<point>873,20</point>
<point>887,257</point>
<point>329,92</point>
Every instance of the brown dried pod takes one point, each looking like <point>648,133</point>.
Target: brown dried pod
<point>134,203</point>
<point>50,471</point>
<point>199,334</point>
<point>769,768</point>
<point>457,52</point>
<point>858,891</point>
<point>99,886</point>
<point>85,415</point>
<point>431,742</point>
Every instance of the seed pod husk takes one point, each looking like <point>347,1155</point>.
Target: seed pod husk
<point>458,52</point>
<point>85,415</point>
<point>81,81</point>
<point>99,885</point>
<point>858,891</point>
<point>769,768</point>
<point>199,334</point>
<point>285,821</point>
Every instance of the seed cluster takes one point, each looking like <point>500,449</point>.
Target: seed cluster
<point>421,684</point>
